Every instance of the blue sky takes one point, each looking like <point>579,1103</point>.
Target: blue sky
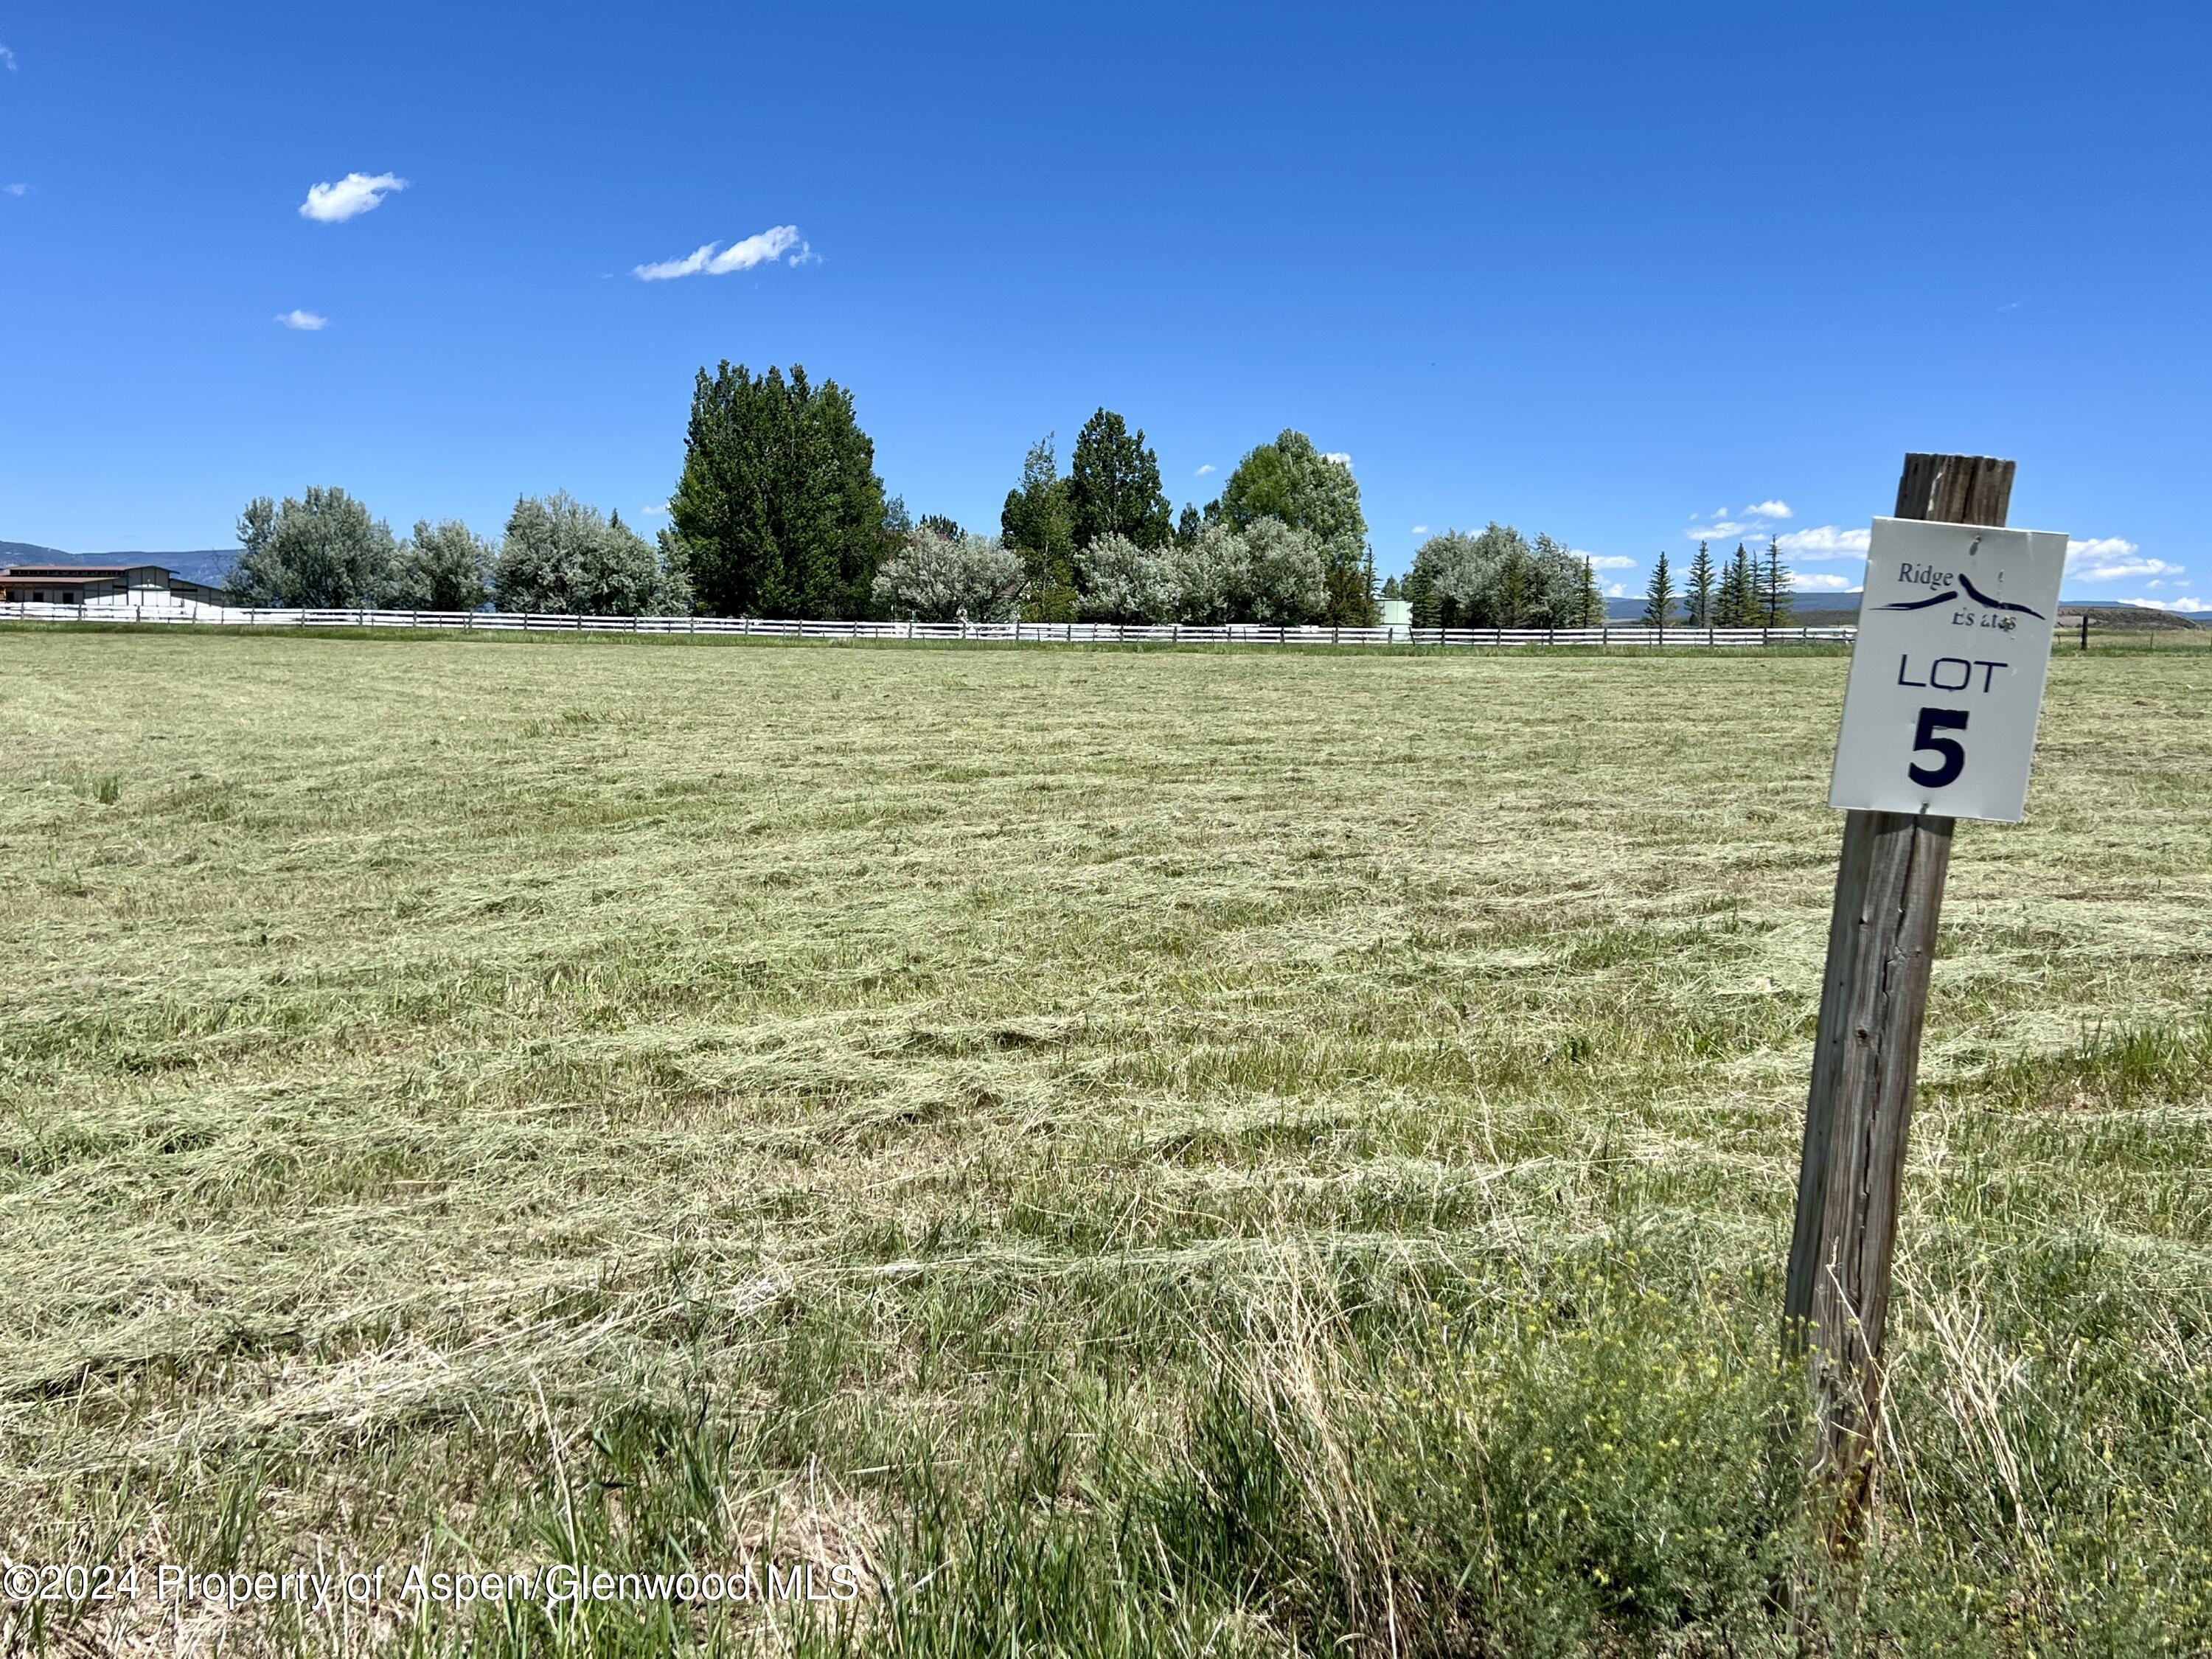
<point>1625,274</point>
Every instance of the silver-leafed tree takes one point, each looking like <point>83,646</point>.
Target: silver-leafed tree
<point>563,557</point>
<point>319,552</point>
<point>1496,578</point>
<point>442,567</point>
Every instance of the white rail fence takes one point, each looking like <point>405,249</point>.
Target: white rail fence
<point>1028,633</point>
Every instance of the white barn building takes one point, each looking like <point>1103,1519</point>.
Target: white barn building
<point>97,589</point>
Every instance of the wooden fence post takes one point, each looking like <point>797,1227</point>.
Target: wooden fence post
<point>1873,997</point>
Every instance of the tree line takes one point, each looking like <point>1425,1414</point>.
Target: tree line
<point>1498,578</point>
<point>324,550</point>
<point>779,510</point>
<point>1285,541</point>
<point>1752,589</point>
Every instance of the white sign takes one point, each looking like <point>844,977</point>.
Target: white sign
<point>1947,678</point>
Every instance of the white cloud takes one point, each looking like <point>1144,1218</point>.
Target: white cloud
<point>1825,541</point>
<point>2190,606</point>
<point>658,510</point>
<point>1756,520</point>
<point>777,242</point>
<point>2125,570</point>
<point>1339,457</point>
<point>351,197</point>
<point>1616,590</point>
<point>305,320</point>
<point>1421,530</point>
<point>7,58</point>
<point>2113,559</point>
<point>1606,561</point>
<point>1823,581</point>
<point>1203,471</point>
<point>15,190</point>
<point>689,266</point>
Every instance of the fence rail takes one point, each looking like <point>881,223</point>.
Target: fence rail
<point>1028,633</point>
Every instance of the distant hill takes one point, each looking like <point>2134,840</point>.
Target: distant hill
<point>205,564</point>
<point>2135,619</point>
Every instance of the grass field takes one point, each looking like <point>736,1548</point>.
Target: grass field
<point>1137,1152</point>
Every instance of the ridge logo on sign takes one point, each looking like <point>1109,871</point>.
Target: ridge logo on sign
<point>1946,676</point>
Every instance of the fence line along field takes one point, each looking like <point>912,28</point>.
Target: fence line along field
<point>1674,634</point>
<point>1200,1151</point>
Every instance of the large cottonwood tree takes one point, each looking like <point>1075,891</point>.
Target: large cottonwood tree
<point>1291,480</point>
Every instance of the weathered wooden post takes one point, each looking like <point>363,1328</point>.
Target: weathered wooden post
<point>1967,621</point>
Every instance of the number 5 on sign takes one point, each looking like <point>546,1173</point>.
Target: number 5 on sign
<point>1947,678</point>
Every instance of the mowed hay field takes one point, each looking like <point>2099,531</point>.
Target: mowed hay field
<point>1168,1152</point>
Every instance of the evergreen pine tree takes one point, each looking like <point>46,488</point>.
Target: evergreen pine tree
<point>1513,588</point>
<point>1738,606</point>
<point>778,506</point>
<point>1659,595</point>
<point>1590,612</point>
<point>1421,593</point>
<point>1699,595</point>
<point>1036,522</point>
<point>1114,485</point>
<point>1774,581</point>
